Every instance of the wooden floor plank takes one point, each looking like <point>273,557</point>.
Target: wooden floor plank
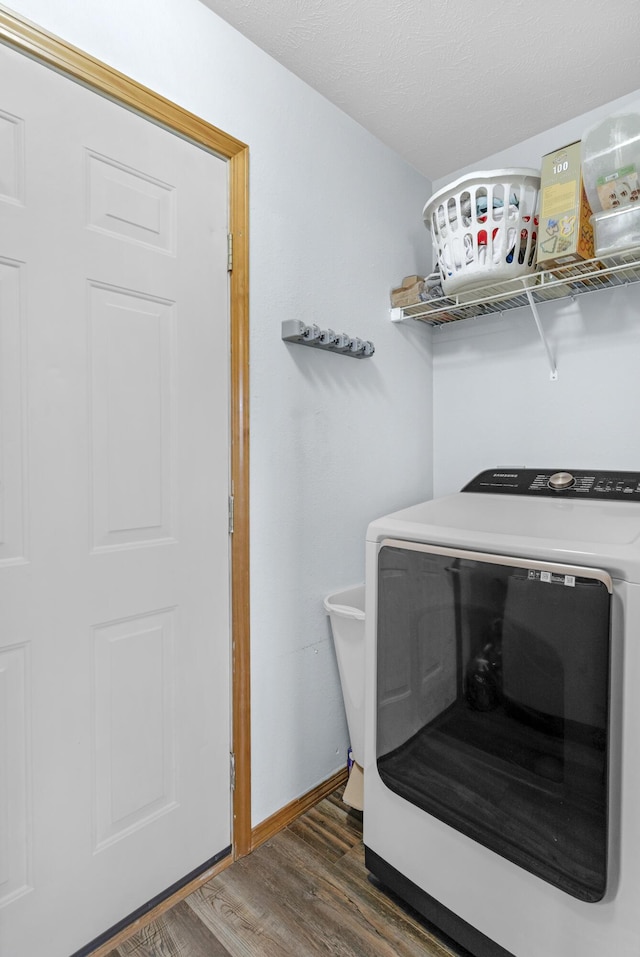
<point>327,830</point>
<point>293,883</point>
<point>379,925</point>
<point>253,912</point>
<point>303,893</point>
<point>400,919</point>
<point>348,816</point>
<point>178,933</point>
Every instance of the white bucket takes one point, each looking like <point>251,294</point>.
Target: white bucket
<point>346,612</point>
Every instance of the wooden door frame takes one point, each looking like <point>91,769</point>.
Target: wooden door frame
<point>50,50</point>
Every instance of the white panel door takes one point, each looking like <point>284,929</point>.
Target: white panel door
<point>114,474</point>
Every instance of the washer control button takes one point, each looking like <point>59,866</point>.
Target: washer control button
<point>560,480</point>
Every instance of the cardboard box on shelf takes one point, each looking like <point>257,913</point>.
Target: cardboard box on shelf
<point>566,233</point>
<point>408,294</point>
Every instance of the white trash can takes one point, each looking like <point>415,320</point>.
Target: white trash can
<point>346,613</point>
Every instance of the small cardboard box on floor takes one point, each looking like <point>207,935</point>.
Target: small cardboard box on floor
<point>566,233</point>
<point>354,791</point>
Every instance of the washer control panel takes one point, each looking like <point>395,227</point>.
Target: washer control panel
<point>563,483</point>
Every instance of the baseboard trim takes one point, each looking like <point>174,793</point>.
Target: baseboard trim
<point>286,815</point>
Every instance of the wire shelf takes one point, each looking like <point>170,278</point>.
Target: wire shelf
<point>543,286</point>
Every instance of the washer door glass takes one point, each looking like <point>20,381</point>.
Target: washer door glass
<point>493,703</point>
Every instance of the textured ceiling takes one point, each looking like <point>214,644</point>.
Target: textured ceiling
<point>448,82</point>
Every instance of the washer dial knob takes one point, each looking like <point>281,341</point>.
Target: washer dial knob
<point>561,480</point>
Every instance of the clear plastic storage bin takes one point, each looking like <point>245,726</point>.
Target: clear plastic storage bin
<point>616,230</point>
<point>611,162</point>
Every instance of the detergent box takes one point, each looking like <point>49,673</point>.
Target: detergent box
<point>565,232</point>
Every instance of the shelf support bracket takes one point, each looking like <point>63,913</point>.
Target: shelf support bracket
<point>534,310</point>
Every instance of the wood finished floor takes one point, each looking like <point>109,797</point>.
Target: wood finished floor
<point>304,893</point>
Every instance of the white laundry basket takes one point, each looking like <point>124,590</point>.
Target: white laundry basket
<point>484,228</point>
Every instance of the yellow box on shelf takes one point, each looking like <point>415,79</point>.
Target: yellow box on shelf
<point>566,232</point>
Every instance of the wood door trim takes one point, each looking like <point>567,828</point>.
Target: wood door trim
<point>46,48</point>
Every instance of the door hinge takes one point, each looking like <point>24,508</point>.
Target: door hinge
<point>229,252</point>
<point>232,770</point>
<point>231,514</point>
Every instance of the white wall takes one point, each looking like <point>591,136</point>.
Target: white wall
<point>494,401</point>
<point>336,221</point>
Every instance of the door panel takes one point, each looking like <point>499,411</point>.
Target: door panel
<point>114,462</point>
<point>131,346</point>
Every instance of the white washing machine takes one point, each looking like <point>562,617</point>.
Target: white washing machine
<point>502,751</point>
